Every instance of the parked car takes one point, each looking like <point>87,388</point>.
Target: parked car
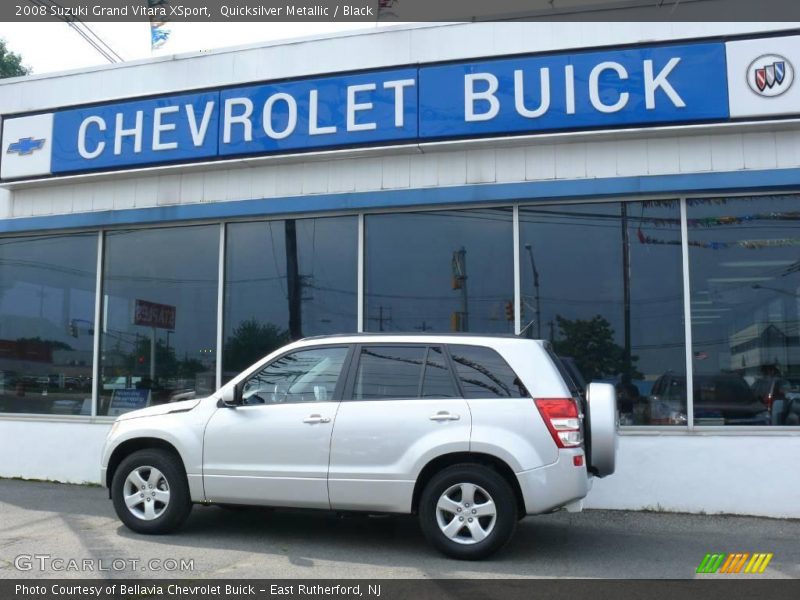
<point>719,399</point>
<point>469,433</point>
<point>781,396</point>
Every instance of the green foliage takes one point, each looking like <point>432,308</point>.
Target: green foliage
<point>250,341</point>
<point>591,343</point>
<point>11,63</point>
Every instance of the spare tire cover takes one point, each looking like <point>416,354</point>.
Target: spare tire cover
<point>603,420</point>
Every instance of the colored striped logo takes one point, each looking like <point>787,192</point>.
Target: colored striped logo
<point>738,562</point>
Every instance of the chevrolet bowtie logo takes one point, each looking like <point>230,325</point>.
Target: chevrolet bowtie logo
<point>24,146</point>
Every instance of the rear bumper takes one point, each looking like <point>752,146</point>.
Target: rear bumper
<point>554,485</point>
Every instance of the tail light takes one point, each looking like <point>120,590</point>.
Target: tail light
<point>562,417</point>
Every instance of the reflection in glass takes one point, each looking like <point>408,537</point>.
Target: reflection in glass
<point>47,291</point>
<point>439,271</point>
<point>389,372</point>
<point>437,382</point>
<point>159,317</point>
<point>745,274</point>
<point>303,376</point>
<point>483,373</point>
<point>603,283</point>
<point>285,280</point>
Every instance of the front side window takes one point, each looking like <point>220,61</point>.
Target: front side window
<point>303,376</point>
<point>483,373</point>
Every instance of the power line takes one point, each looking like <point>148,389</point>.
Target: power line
<point>86,32</point>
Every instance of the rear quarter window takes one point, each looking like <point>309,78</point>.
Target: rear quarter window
<point>483,373</point>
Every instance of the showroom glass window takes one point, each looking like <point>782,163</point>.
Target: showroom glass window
<point>440,271</point>
<point>159,316</point>
<point>603,283</point>
<point>744,261</point>
<point>285,280</point>
<point>47,290</point>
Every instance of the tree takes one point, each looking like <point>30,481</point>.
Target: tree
<point>250,341</point>
<point>591,343</point>
<point>11,63</point>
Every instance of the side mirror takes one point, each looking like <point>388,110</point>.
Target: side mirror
<point>231,397</point>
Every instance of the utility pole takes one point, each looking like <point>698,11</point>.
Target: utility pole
<point>153,355</point>
<point>380,318</point>
<point>626,295</point>
<point>459,267</point>
<point>294,283</point>
<point>537,309</point>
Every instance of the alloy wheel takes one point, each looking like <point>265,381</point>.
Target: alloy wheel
<point>146,493</point>
<point>466,513</point>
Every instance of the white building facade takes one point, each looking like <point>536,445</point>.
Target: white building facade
<point>628,191</point>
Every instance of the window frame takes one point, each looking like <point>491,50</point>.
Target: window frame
<point>349,391</point>
<point>340,382</point>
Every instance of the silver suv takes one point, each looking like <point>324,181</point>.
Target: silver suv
<point>471,433</point>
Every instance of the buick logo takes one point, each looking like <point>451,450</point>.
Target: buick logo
<point>770,75</point>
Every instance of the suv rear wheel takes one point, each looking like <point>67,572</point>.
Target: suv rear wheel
<point>468,511</point>
<point>150,492</point>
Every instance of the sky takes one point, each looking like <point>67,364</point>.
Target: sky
<point>48,47</point>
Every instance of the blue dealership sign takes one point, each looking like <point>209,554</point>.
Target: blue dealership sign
<point>167,129</point>
<point>612,88</point>
<point>318,113</point>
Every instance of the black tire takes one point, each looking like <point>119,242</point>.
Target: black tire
<point>174,513</point>
<point>493,484</point>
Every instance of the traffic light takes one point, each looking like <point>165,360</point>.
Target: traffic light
<point>509,310</point>
<point>457,321</point>
<point>73,329</point>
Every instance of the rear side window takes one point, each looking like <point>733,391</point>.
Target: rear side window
<point>403,372</point>
<point>483,373</point>
<point>386,372</point>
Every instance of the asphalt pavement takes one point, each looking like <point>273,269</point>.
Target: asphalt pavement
<point>45,526</point>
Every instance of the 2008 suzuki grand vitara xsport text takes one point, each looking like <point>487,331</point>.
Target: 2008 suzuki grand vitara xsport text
<point>471,433</point>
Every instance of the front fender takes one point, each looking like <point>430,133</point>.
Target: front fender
<point>181,430</point>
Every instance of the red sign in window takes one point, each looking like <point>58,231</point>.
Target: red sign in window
<point>152,314</point>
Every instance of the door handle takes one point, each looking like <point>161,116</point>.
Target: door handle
<point>444,416</point>
<point>313,419</point>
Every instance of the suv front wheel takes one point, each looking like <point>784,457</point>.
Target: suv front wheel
<point>468,511</point>
<point>150,492</point>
